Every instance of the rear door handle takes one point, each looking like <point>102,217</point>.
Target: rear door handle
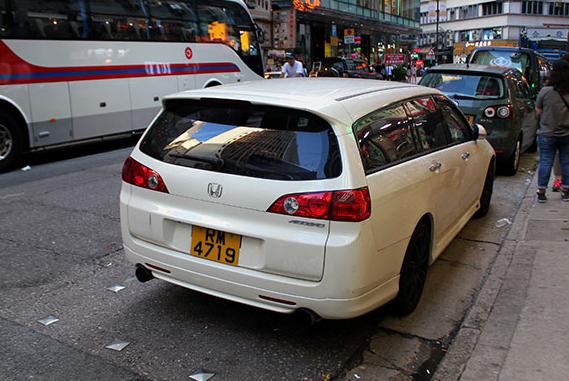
<point>435,166</point>
<point>465,156</point>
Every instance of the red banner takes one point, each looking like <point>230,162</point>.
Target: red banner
<point>394,59</point>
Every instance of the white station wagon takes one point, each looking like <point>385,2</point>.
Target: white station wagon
<point>328,196</point>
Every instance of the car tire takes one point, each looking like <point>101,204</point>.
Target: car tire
<point>11,142</point>
<point>510,166</point>
<point>486,195</point>
<point>413,271</point>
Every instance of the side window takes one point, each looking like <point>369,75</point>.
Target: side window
<point>458,129</point>
<point>384,137</point>
<point>523,89</point>
<point>50,19</point>
<point>429,125</point>
<point>5,22</point>
<point>119,20</point>
<point>173,21</point>
<point>227,23</point>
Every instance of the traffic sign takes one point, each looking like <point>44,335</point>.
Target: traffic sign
<point>349,36</point>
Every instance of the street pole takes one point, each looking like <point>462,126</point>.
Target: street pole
<point>437,36</point>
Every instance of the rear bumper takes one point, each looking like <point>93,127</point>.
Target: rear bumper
<point>293,291</point>
<point>503,137</point>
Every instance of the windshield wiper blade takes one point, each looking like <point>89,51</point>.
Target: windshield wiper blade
<point>464,96</point>
<point>214,160</point>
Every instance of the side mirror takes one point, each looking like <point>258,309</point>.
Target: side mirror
<point>478,132</point>
<point>260,34</point>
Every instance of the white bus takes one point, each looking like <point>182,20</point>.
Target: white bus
<point>76,70</point>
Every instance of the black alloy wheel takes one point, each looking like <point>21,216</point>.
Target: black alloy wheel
<point>414,271</point>
<point>486,195</point>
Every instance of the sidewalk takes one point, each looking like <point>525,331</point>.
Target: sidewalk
<point>518,327</point>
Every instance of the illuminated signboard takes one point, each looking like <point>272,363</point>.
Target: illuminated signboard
<point>305,5</point>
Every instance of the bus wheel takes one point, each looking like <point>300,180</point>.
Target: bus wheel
<point>212,84</point>
<point>10,142</point>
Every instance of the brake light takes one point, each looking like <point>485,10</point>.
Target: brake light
<point>345,205</point>
<point>140,175</point>
<point>502,112</point>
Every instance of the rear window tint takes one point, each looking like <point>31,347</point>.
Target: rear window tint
<point>243,139</point>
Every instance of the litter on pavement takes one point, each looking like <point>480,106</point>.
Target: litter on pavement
<point>26,168</point>
<point>202,376</point>
<point>503,222</point>
<point>117,345</point>
<point>116,288</point>
<point>48,320</point>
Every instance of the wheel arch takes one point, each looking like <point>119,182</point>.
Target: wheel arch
<point>212,82</point>
<point>428,219</point>
<point>12,109</point>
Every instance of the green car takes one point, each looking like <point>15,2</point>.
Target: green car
<point>499,98</point>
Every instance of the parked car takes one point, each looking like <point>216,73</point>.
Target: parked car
<point>344,67</point>
<point>532,65</point>
<point>328,196</point>
<point>499,98</point>
<point>362,70</point>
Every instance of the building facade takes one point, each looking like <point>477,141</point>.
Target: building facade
<point>317,29</point>
<point>465,24</point>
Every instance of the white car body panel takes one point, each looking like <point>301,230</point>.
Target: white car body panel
<point>337,269</point>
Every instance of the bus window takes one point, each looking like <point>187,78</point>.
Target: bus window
<point>173,21</point>
<point>229,23</point>
<point>119,20</point>
<point>4,20</point>
<point>50,19</point>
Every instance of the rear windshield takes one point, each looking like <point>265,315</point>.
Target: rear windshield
<point>243,139</point>
<point>465,86</point>
<point>516,60</point>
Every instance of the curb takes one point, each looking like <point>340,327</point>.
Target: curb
<point>462,346</point>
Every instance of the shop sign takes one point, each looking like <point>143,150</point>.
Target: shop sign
<point>334,30</point>
<point>305,5</point>
<point>358,40</point>
<point>349,36</point>
<point>284,29</point>
<point>547,33</point>
<point>394,59</point>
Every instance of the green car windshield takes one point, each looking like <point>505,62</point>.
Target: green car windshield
<point>465,86</point>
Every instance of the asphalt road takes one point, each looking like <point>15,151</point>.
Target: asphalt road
<point>60,248</point>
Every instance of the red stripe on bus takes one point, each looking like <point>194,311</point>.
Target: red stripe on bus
<point>15,70</point>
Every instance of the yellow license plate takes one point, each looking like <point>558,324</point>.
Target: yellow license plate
<point>470,118</point>
<point>215,245</point>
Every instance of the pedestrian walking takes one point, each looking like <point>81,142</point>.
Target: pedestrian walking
<point>389,72</point>
<point>552,105</point>
<point>292,68</point>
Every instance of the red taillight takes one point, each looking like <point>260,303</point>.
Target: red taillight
<point>312,205</point>
<point>140,175</point>
<point>351,205</point>
<point>502,112</point>
<point>345,205</point>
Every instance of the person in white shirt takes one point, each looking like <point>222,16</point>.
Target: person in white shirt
<point>292,68</point>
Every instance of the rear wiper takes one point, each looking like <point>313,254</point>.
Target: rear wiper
<point>214,160</point>
<point>463,96</point>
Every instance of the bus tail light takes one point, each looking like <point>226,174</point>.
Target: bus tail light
<point>345,205</point>
<point>140,175</point>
